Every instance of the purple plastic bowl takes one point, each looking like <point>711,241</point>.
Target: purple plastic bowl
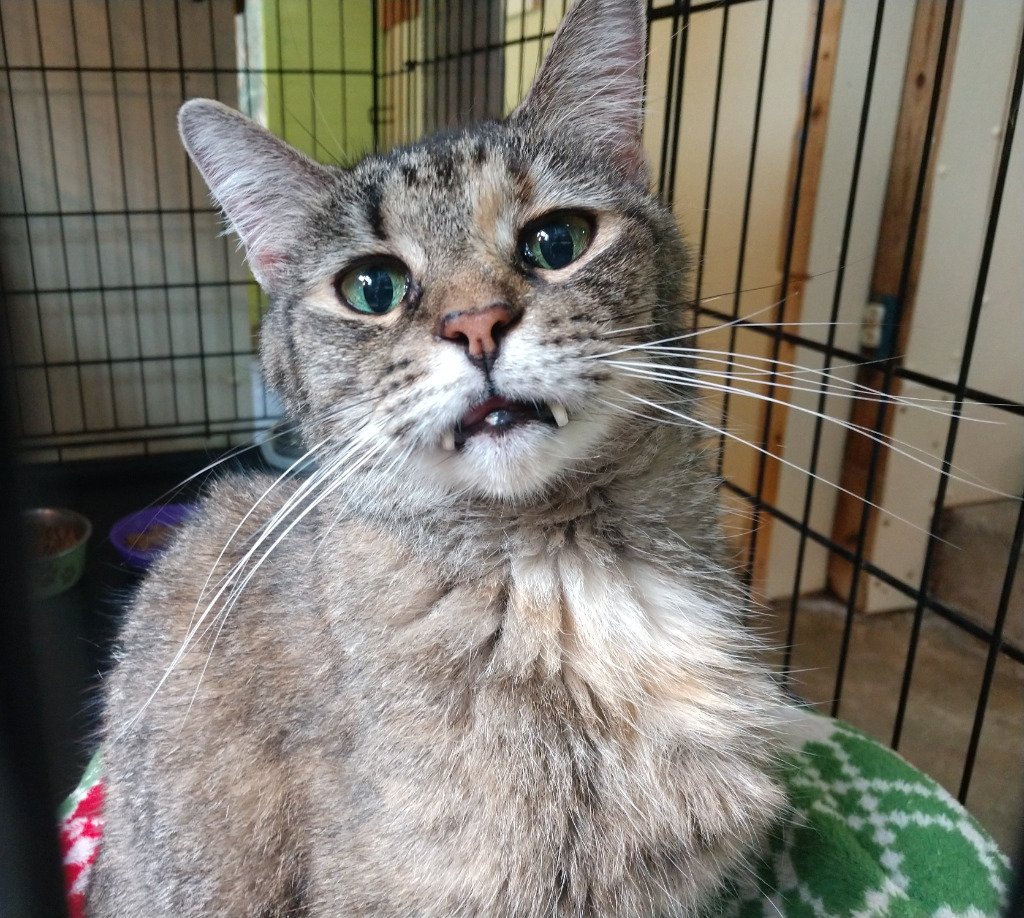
<point>140,521</point>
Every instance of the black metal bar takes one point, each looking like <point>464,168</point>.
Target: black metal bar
<point>127,218</point>
<point>468,47</point>
<point>709,174</point>
<point>158,194</point>
<point>672,89</point>
<point>311,77</point>
<point>995,645</point>
<point>124,288</point>
<point>915,216</point>
<point>8,376</point>
<point>819,421</point>
<point>344,152</point>
<point>676,123</point>
<point>663,12</point>
<point>60,222</point>
<point>995,208</point>
<point>91,193</point>
<point>794,210</point>
<point>432,84</point>
<point>931,603</point>
<point>280,72</point>
<point>451,59</point>
<point>106,212</point>
<point>521,91</point>
<point>229,306</point>
<point>135,359</point>
<point>28,235</point>
<point>375,39</point>
<point>741,258</point>
<point>203,382</point>
<point>131,434</point>
<point>232,72</point>
<point>855,359</point>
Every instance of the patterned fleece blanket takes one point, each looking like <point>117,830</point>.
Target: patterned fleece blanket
<point>868,836</point>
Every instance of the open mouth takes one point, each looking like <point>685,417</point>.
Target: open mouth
<point>498,415</point>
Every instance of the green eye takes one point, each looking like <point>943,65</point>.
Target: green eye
<point>556,241</point>
<point>374,288</point>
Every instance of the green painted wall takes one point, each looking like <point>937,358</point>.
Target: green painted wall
<point>319,84</point>
<point>312,81</point>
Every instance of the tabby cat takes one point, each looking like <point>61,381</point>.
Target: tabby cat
<point>489,659</point>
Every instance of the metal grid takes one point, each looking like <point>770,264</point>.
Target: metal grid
<point>887,370</point>
<point>129,329</point>
<point>130,326</point>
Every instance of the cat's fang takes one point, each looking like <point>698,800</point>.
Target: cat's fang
<point>559,413</point>
<point>448,441</point>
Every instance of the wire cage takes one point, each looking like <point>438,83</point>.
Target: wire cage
<point>849,179</point>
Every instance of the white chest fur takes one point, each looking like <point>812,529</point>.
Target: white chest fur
<point>643,639</point>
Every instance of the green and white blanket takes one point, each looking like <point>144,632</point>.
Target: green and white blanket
<point>868,836</point>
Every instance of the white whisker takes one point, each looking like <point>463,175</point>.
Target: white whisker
<point>691,419</point>
<point>686,377</point>
<point>229,582</point>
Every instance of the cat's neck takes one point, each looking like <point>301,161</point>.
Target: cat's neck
<point>654,495</point>
<point>611,588</point>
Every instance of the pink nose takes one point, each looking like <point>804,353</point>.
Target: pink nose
<point>478,329</point>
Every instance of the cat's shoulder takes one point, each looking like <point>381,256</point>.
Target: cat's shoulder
<point>235,521</point>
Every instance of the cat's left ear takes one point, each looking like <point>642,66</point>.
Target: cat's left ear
<point>591,82</point>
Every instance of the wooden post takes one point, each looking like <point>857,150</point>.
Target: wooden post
<point>797,274</point>
<point>912,136</point>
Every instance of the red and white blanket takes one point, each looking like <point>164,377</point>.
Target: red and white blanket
<point>81,828</point>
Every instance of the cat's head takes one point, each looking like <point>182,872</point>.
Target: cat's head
<point>441,312</point>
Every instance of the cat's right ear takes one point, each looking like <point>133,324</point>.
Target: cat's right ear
<point>264,186</point>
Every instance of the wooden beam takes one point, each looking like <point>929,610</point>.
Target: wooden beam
<point>799,226</point>
<point>395,12</point>
<point>897,229</point>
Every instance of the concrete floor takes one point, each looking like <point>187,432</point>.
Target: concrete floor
<point>943,697</point>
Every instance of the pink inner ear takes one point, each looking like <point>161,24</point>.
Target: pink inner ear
<point>265,187</point>
<point>264,262</point>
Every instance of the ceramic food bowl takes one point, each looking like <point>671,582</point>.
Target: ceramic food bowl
<point>57,540</point>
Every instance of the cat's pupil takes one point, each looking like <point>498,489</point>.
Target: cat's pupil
<point>378,289</point>
<point>558,243</point>
<point>373,289</point>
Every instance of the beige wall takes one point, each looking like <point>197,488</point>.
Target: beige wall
<point>989,458</point>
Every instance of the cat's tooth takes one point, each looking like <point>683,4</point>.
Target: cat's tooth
<point>448,441</point>
<point>559,413</point>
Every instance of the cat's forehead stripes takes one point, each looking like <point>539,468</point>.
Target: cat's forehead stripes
<point>500,202</point>
<point>428,197</point>
<point>486,185</point>
<point>372,205</point>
